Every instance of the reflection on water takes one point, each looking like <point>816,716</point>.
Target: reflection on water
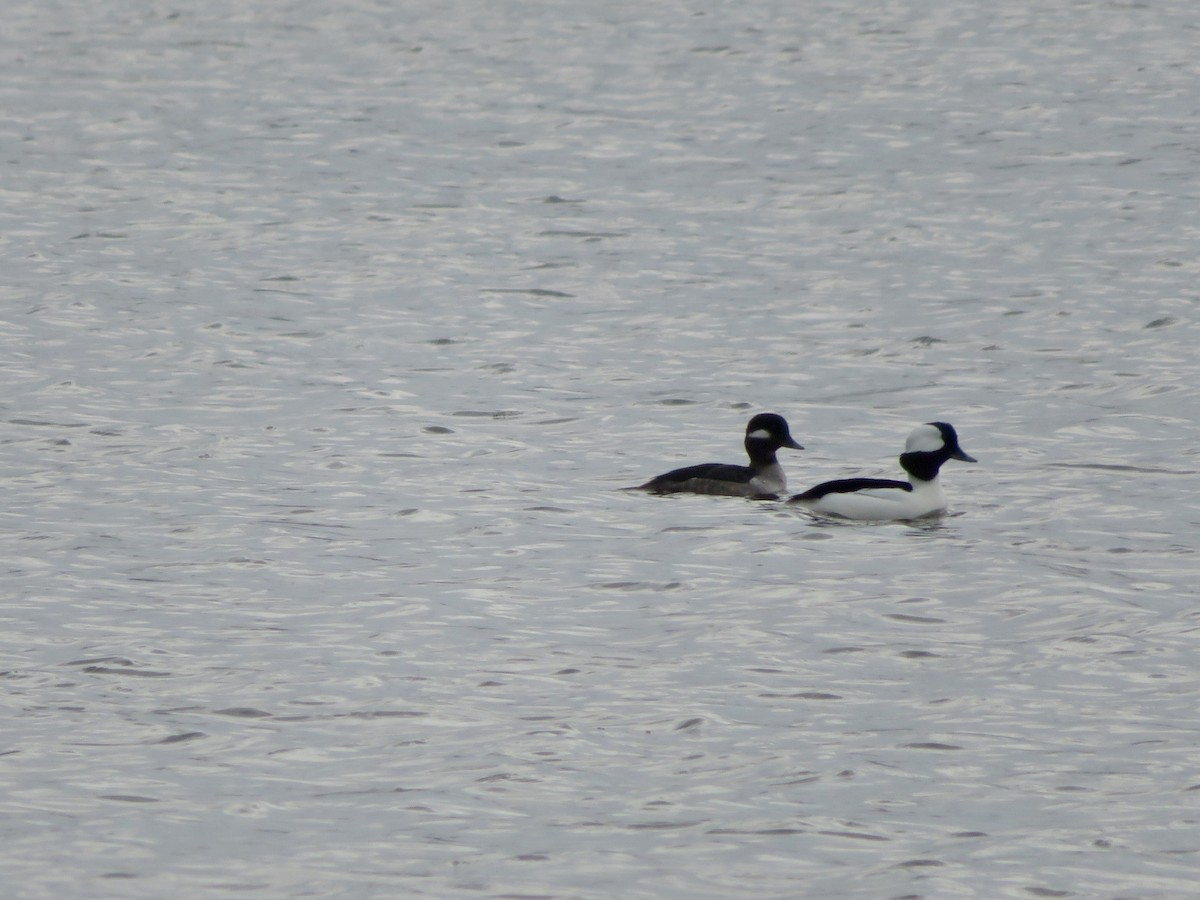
<point>331,338</point>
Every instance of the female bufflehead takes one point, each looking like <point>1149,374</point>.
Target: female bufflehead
<point>763,479</point>
<point>880,499</point>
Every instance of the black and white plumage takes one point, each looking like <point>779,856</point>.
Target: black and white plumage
<point>763,479</point>
<point>882,499</point>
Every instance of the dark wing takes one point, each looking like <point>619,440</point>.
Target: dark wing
<point>849,485</point>
<point>717,471</point>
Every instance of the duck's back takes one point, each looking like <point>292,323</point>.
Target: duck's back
<point>706,478</point>
<point>850,486</point>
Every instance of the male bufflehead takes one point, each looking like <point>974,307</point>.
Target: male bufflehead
<point>881,499</point>
<point>763,479</point>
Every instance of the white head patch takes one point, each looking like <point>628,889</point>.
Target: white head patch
<point>759,434</point>
<point>924,439</point>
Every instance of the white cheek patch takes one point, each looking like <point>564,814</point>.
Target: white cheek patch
<point>924,439</point>
<point>759,435</point>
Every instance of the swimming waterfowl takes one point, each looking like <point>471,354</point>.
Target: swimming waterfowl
<point>763,479</point>
<point>882,499</point>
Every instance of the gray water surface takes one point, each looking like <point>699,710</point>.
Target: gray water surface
<point>331,333</point>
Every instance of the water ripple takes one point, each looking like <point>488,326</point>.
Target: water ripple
<point>331,339</point>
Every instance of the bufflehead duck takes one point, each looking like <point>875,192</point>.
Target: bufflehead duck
<point>763,479</point>
<point>881,499</point>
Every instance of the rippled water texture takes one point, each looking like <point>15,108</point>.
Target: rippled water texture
<point>331,331</point>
